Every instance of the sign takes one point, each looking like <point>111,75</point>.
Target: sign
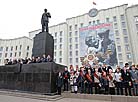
<point>93,12</point>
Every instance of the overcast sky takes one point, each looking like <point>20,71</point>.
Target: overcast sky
<point>18,17</point>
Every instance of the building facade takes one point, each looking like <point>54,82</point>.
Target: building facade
<point>66,35</point>
<point>125,28</point>
<point>15,48</point>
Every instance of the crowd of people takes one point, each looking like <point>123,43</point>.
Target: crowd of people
<point>29,60</point>
<point>100,79</point>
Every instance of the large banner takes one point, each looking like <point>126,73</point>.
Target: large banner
<point>97,44</point>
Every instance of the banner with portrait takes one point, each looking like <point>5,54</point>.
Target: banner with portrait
<point>97,44</point>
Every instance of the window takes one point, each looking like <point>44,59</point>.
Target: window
<point>117,33</point>
<point>55,40</point>
<point>70,28</point>
<point>137,27</point>
<point>119,48</point>
<point>76,26</point>
<point>93,22</point>
<point>70,47</point>
<point>20,47</point>
<point>70,34</point>
<point>60,53</point>
<point>70,40</point>
<point>115,26</point>
<point>60,60</point>
<point>1,48</point>
<point>55,34</point>
<point>76,53</point>
<point>76,39</point>
<point>27,54</point>
<point>128,55</point>
<point>127,48</point>
<point>61,32</point>
<point>55,53</point>
<point>124,31</point>
<point>122,17</point>
<point>15,54</point>
<point>123,25</point>
<point>27,47</point>
<point>121,64</point>
<point>0,60</point>
<point>90,22</point>
<point>107,19</point>
<point>70,60</point>
<point>77,60</point>
<point>126,39</point>
<point>70,53</point>
<point>98,21</point>
<point>136,19</point>
<point>0,55</point>
<point>120,56</point>
<point>11,48</point>
<point>10,54</point>
<point>76,46</point>
<point>60,40</point>
<point>60,46</point>
<point>114,19</point>
<point>19,54</point>
<point>6,54</point>
<point>16,47</point>
<point>76,33</point>
<point>6,48</point>
<point>55,47</point>
<point>81,24</point>
<point>118,40</point>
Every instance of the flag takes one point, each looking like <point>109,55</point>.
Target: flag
<point>94,3</point>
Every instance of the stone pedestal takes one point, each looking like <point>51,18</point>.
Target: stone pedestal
<point>43,44</point>
<point>35,77</point>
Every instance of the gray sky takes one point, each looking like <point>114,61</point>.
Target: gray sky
<point>18,17</point>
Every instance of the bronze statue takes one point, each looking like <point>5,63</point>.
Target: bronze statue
<point>45,20</point>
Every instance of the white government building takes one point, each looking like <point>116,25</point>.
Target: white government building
<point>66,36</point>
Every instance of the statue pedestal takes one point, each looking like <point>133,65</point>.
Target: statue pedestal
<point>43,44</point>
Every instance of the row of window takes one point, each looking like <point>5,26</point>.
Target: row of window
<point>60,34</point>
<point>125,40</point>
<point>60,60</point>
<point>128,56</point>
<point>13,54</point>
<point>60,53</point>
<point>60,40</point>
<point>70,33</point>
<point>11,48</point>
<point>122,18</point>
<point>55,46</point>
<point>71,60</point>
<point>127,48</point>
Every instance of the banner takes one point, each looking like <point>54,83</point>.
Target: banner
<point>97,44</point>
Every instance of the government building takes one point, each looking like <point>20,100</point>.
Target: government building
<point>115,27</point>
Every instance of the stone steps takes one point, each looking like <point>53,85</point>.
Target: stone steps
<point>31,95</point>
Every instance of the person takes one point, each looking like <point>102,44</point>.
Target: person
<point>49,59</point>
<point>110,77</point>
<point>44,59</point>
<point>118,81</point>
<point>90,80</point>
<point>71,81</point>
<point>127,81</point>
<point>45,20</point>
<point>134,76</point>
<point>59,82</point>
<point>66,76</point>
<point>97,76</point>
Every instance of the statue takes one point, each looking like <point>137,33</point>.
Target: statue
<point>45,20</point>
